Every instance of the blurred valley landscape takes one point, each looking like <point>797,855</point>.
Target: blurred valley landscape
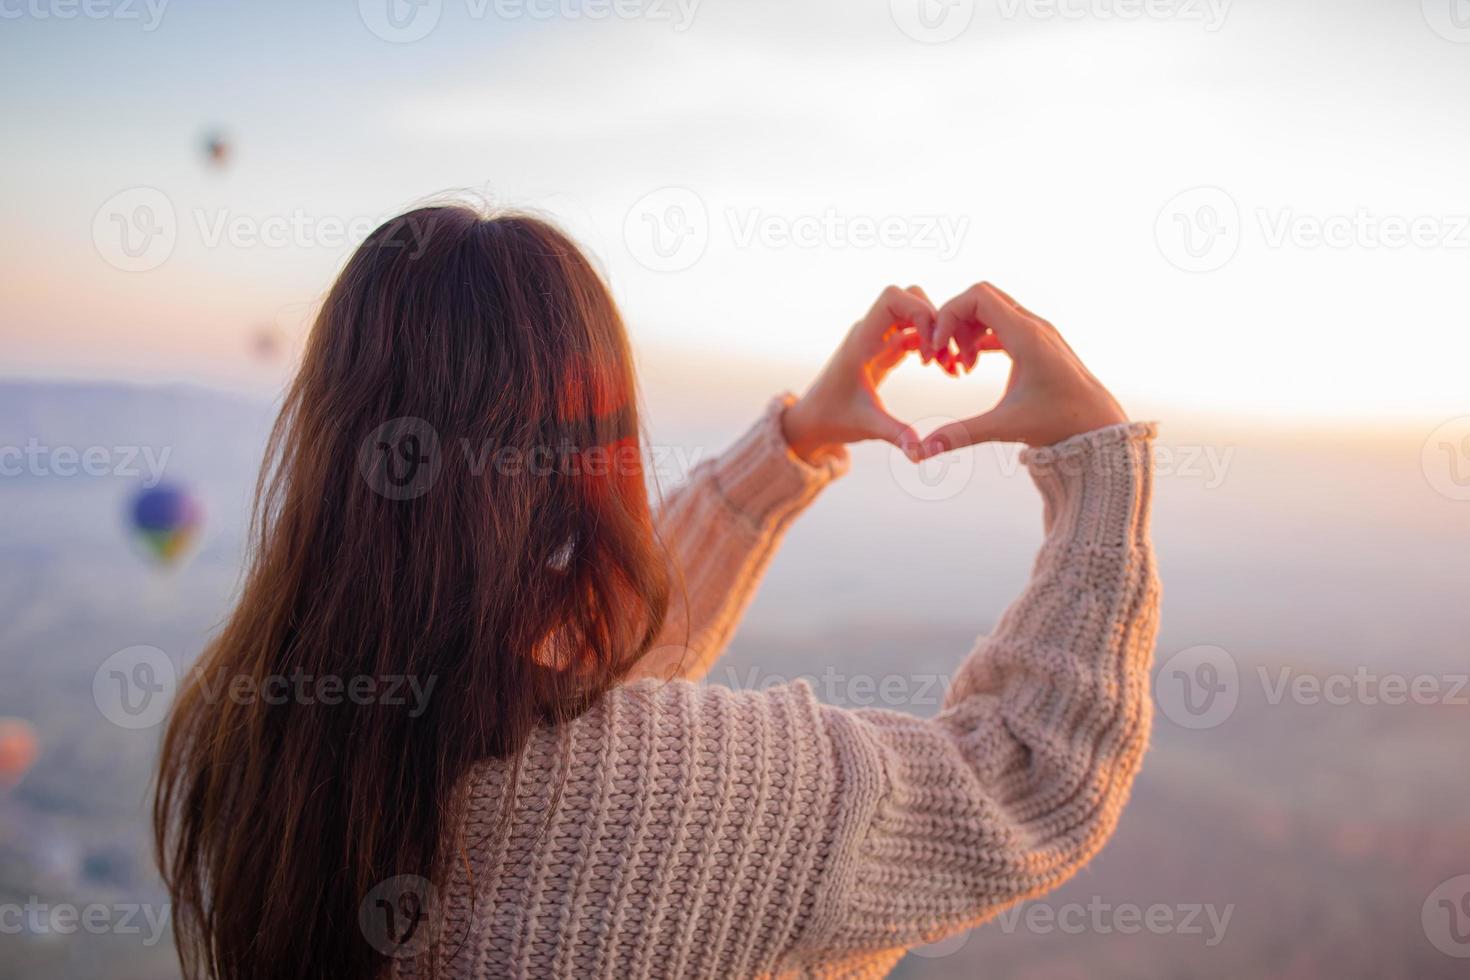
<point>1275,832</point>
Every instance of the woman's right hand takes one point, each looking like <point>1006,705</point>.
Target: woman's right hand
<point>1050,395</point>
<point>843,404</point>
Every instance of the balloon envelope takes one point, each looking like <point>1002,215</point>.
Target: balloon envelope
<point>19,746</point>
<point>166,519</point>
<point>217,149</point>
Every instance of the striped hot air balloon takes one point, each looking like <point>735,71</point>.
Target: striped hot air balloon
<point>167,519</point>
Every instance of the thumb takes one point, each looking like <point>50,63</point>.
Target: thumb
<point>993,426</point>
<point>881,425</point>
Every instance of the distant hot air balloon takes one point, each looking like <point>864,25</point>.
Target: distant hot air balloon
<point>167,518</point>
<point>267,342</point>
<point>19,746</point>
<point>217,149</point>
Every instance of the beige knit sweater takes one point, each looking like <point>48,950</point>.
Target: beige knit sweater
<point>707,832</point>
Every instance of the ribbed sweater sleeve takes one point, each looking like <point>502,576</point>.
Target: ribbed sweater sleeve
<point>1021,778</point>
<point>721,529</point>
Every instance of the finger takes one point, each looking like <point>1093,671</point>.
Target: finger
<point>899,306</point>
<point>900,330</point>
<point>993,426</point>
<point>946,360</point>
<point>895,348</point>
<point>1041,321</point>
<point>1012,300</point>
<point>967,341</point>
<point>881,425</point>
<point>984,306</point>
<point>972,341</point>
<point>905,306</point>
<point>927,336</point>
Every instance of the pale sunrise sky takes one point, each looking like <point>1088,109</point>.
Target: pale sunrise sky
<point>817,151</point>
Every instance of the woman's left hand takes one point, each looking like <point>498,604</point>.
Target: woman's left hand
<point>842,405</point>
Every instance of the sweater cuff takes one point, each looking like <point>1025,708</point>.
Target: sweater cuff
<point>763,479</point>
<point>1096,486</point>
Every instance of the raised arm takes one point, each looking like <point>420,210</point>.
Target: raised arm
<point>722,529</point>
<point>724,526</point>
<point>1021,778</point>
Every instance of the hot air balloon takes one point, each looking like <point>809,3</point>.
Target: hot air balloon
<point>19,746</point>
<point>267,342</point>
<point>217,149</point>
<point>167,519</point>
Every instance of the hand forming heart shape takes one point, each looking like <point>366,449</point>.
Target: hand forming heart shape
<point>1049,396</point>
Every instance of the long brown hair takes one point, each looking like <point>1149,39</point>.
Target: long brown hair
<point>452,498</point>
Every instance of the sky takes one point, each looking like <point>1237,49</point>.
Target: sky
<point>1254,209</point>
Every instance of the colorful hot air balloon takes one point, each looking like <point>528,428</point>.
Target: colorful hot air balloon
<point>167,519</point>
<point>19,746</point>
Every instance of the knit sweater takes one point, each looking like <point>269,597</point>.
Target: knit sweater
<point>679,829</point>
